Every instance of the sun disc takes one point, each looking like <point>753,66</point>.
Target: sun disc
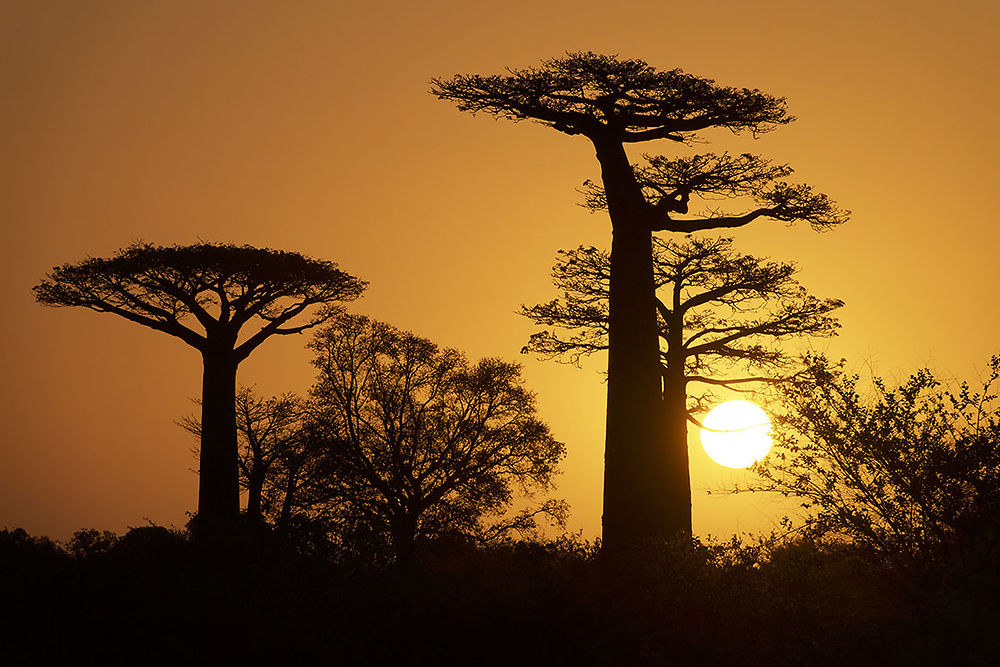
<point>736,434</point>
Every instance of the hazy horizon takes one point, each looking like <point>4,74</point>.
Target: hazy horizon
<point>307,126</point>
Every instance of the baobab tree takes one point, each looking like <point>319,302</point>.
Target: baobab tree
<point>223,300</point>
<point>722,317</point>
<point>613,102</point>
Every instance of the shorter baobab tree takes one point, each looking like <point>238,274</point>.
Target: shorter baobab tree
<point>223,300</point>
<point>415,442</point>
<point>722,317</point>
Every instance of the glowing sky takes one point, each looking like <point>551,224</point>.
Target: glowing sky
<point>307,126</point>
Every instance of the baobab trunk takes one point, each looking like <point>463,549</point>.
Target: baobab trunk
<point>635,508</point>
<point>674,456</point>
<point>218,482</point>
<point>255,491</point>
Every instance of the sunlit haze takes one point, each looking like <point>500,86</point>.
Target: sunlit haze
<point>308,126</point>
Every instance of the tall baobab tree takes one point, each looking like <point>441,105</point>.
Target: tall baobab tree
<point>613,102</point>
<point>224,301</point>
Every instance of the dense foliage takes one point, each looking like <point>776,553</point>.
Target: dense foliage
<point>911,472</point>
<point>588,93</point>
<point>414,441</point>
<point>221,287</point>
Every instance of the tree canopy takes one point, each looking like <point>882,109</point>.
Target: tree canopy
<point>730,309</point>
<point>668,186</point>
<point>910,471</point>
<point>217,288</point>
<point>418,442</point>
<point>606,96</point>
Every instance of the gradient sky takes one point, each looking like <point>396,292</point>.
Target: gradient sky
<point>307,126</point>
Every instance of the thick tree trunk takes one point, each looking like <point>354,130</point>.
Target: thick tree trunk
<point>291,484</point>
<point>255,490</point>
<point>218,483</point>
<point>677,519</point>
<point>404,543</point>
<point>635,475</point>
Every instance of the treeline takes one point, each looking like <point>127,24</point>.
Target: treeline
<point>397,443</point>
<point>157,597</point>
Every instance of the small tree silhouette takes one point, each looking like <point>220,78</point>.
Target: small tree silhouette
<point>613,102</point>
<point>416,442</point>
<point>911,471</point>
<point>720,315</point>
<point>206,295</point>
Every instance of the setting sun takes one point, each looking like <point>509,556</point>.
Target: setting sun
<point>736,434</point>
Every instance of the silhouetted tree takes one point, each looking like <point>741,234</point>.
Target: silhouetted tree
<point>205,295</point>
<point>88,542</point>
<point>613,102</point>
<point>720,315</point>
<point>912,471</point>
<point>416,442</point>
<point>268,436</point>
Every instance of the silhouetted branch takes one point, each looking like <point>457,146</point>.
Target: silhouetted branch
<point>728,305</point>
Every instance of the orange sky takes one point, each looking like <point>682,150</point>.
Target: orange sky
<point>307,126</point>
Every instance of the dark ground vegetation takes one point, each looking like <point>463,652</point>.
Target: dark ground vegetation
<point>155,597</point>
